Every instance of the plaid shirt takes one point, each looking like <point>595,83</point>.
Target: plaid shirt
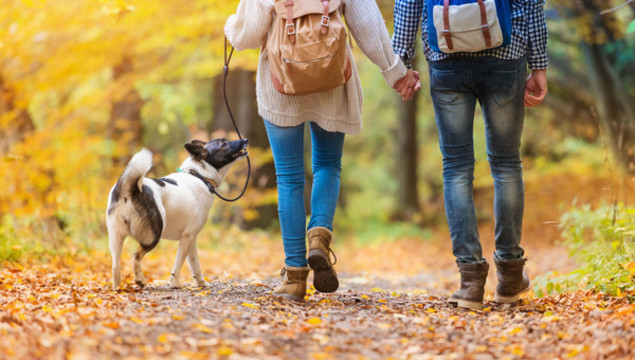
<point>529,33</point>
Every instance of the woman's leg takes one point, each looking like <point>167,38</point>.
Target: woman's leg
<point>287,144</point>
<point>327,165</point>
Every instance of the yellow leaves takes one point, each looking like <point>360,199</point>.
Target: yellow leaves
<point>516,350</point>
<point>162,338</point>
<point>225,351</point>
<point>514,331</point>
<point>111,324</point>
<point>177,317</point>
<point>136,320</point>
<point>314,321</point>
<point>202,328</point>
<point>249,305</point>
<point>365,297</point>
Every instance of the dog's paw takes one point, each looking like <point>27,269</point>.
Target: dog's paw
<point>175,283</point>
<point>201,283</point>
<point>140,283</point>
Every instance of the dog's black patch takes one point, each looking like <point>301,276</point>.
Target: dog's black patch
<point>150,217</point>
<point>159,182</point>
<point>169,181</point>
<point>114,197</point>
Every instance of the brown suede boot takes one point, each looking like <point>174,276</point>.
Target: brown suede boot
<point>294,283</point>
<point>512,280</point>
<point>472,291</point>
<point>324,275</point>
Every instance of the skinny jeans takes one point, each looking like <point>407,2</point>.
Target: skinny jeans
<point>287,146</point>
<point>498,85</point>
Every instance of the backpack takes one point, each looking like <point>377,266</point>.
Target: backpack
<point>468,25</point>
<point>307,47</point>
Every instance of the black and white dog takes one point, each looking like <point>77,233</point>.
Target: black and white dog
<point>174,207</point>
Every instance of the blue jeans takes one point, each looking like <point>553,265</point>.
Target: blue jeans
<point>287,145</point>
<point>498,85</point>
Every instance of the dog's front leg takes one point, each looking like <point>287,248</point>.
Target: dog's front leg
<point>184,249</point>
<point>195,266</point>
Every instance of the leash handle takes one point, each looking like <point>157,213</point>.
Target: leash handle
<point>227,58</point>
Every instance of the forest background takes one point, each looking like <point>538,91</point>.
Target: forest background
<point>85,84</point>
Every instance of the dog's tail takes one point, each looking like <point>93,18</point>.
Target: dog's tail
<point>137,168</point>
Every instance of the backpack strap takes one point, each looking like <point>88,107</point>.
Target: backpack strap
<point>446,24</point>
<point>484,24</point>
<point>290,26</point>
<point>325,17</point>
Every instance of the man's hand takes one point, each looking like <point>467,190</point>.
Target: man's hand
<point>408,85</point>
<point>536,87</point>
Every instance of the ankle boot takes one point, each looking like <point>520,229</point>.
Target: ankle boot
<point>472,291</point>
<point>512,280</point>
<point>294,283</point>
<point>324,275</point>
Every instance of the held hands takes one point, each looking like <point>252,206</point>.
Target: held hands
<point>536,88</point>
<point>408,85</point>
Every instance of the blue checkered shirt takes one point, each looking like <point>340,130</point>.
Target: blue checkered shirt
<point>529,33</point>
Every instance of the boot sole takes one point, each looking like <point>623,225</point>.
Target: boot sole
<point>289,297</point>
<point>324,276</point>
<point>466,304</point>
<point>509,299</point>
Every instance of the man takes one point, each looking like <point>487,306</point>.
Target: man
<point>496,79</point>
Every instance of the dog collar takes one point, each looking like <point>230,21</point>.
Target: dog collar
<point>196,174</point>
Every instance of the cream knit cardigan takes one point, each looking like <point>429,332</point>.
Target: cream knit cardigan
<point>338,109</point>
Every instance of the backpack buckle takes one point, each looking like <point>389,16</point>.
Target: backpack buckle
<point>326,20</point>
<point>290,29</point>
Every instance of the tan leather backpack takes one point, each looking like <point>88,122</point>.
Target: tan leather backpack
<point>307,47</point>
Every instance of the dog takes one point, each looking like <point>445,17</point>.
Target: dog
<point>174,207</point>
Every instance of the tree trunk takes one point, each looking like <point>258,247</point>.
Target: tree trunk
<point>125,116</point>
<point>18,125</point>
<point>406,161</point>
<point>241,95</point>
<point>613,109</point>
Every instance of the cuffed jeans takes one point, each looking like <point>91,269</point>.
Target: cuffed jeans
<point>498,85</point>
<point>287,146</point>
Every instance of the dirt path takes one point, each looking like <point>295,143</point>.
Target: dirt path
<point>66,310</point>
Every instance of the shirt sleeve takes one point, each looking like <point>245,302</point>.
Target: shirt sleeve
<point>407,21</point>
<point>249,26</point>
<point>536,34</point>
<point>367,26</point>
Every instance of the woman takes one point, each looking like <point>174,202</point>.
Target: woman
<point>331,114</point>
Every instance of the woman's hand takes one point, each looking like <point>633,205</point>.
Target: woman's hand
<point>408,85</point>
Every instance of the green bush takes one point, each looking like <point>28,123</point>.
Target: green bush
<point>602,242</point>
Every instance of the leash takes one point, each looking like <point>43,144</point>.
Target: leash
<point>194,173</point>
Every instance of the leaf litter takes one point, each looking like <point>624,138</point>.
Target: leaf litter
<point>65,309</point>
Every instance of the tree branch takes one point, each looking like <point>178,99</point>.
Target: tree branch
<point>615,8</point>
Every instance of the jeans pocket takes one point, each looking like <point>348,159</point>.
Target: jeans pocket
<point>503,85</point>
<point>444,86</point>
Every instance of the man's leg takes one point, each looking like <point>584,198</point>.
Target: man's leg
<point>503,106</point>
<point>454,103</point>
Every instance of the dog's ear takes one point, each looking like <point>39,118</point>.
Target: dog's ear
<point>197,149</point>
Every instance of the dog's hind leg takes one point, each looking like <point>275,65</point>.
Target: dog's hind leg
<point>184,249</point>
<point>136,260</point>
<point>115,242</point>
<point>195,266</point>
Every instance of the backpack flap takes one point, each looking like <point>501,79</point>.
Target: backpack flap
<point>301,8</point>
<point>307,47</point>
<point>468,25</point>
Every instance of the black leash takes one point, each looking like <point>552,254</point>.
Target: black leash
<point>211,187</point>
